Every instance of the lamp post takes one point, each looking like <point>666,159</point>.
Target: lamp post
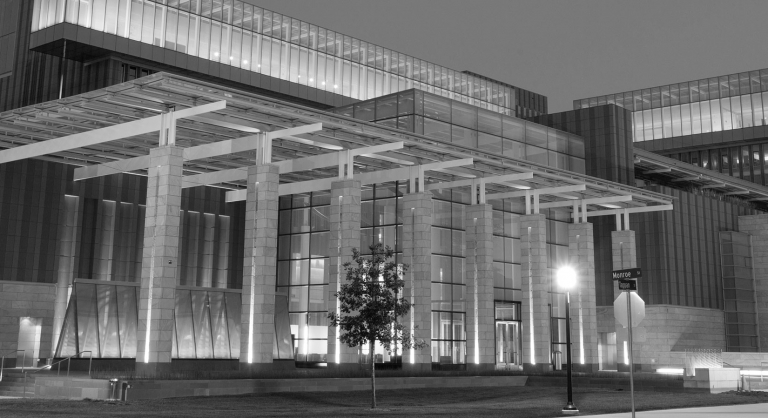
<point>566,279</point>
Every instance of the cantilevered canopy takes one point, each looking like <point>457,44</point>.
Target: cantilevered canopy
<point>308,144</point>
<point>655,166</point>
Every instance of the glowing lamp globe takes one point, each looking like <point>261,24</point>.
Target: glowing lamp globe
<point>566,277</point>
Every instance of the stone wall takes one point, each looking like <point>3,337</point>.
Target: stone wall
<point>20,299</point>
<point>668,331</point>
<point>156,389</point>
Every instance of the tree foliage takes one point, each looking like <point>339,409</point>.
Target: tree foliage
<point>370,304</point>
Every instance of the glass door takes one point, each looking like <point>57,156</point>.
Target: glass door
<point>507,344</point>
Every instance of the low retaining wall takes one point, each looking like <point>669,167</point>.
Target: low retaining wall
<point>72,388</point>
<point>155,389</point>
<point>659,384</point>
<point>714,380</point>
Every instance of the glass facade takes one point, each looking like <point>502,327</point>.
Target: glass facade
<point>455,122</point>
<point>449,301</point>
<point>747,162</point>
<point>302,270</point>
<point>739,292</point>
<point>235,33</point>
<point>102,317</point>
<point>710,105</point>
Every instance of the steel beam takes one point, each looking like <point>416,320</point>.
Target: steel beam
<point>592,201</point>
<point>542,191</point>
<point>98,136</point>
<point>645,209</point>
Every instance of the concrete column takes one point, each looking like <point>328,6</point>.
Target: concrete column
<point>344,236</point>
<point>68,242</point>
<point>535,306</point>
<point>624,255</point>
<point>417,253</point>
<point>581,251</point>
<point>157,296</point>
<point>479,277</point>
<point>257,326</point>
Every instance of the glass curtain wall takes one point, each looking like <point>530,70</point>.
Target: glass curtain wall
<point>748,162</point>
<point>455,122</point>
<point>449,304</point>
<point>710,105</point>
<point>244,36</point>
<point>381,222</point>
<point>557,255</point>
<point>739,292</point>
<point>302,270</point>
<point>103,318</point>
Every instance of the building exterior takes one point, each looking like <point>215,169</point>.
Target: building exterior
<point>181,182</point>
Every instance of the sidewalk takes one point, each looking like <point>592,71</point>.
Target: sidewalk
<point>750,410</point>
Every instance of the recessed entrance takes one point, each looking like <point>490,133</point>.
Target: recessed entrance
<point>29,340</point>
<point>507,345</point>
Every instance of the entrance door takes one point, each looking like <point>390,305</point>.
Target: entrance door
<point>29,340</point>
<point>507,344</point>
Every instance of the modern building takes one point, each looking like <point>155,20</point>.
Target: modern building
<point>182,180</point>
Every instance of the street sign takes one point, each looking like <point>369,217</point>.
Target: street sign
<point>620,309</point>
<point>630,284</point>
<point>627,274</point>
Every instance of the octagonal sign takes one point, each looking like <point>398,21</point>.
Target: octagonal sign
<point>620,309</point>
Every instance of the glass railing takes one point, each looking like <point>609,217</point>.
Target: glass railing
<point>251,38</point>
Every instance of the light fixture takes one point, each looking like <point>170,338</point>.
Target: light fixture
<point>258,65</point>
<point>566,277</point>
<point>231,58</point>
<point>311,80</point>
<point>245,61</point>
<point>323,83</point>
<point>335,86</point>
<point>215,54</point>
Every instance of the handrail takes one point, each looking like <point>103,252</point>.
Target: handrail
<point>68,360</point>
<point>2,362</point>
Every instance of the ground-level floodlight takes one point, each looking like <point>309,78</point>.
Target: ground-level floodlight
<point>566,279</point>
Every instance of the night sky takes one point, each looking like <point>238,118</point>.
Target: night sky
<point>565,50</point>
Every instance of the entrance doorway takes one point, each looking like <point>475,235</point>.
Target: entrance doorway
<point>29,340</point>
<point>507,345</point>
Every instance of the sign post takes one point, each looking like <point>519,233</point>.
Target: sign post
<point>631,360</point>
<point>628,285</point>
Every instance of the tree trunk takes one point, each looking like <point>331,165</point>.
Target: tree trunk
<point>373,375</point>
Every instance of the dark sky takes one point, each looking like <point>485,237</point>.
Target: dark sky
<point>565,50</point>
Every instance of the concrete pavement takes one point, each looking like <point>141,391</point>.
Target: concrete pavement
<point>749,410</point>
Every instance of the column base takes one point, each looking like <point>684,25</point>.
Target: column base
<point>346,367</point>
<point>586,368</point>
<point>149,369</point>
<point>268,367</point>
<point>537,368</point>
<point>625,367</point>
<point>417,367</point>
<point>482,367</point>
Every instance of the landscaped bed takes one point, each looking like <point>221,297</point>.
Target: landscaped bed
<point>485,402</point>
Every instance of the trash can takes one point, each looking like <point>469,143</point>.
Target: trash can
<point>557,360</point>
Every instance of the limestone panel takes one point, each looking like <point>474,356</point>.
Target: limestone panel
<point>257,330</point>
<point>344,236</point>
<point>535,284</point>
<point>479,276</point>
<point>757,227</point>
<point>581,243</point>
<point>157,295</point>
<point>417,253</point>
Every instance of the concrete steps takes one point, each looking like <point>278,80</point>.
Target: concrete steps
<point>12,383</point>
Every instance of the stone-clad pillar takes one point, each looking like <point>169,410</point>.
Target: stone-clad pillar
<point>581,251</point>
<point>535,306</point>
<point>257,327</point>
<point>344,236</point>
<point>157,297</point>
<point>417,253</point>
<point>624,255</point>
<point>478,221</point>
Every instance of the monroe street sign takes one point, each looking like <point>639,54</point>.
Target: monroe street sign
<point>633,273</point>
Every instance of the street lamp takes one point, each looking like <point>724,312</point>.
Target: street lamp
<point>566,280</point>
